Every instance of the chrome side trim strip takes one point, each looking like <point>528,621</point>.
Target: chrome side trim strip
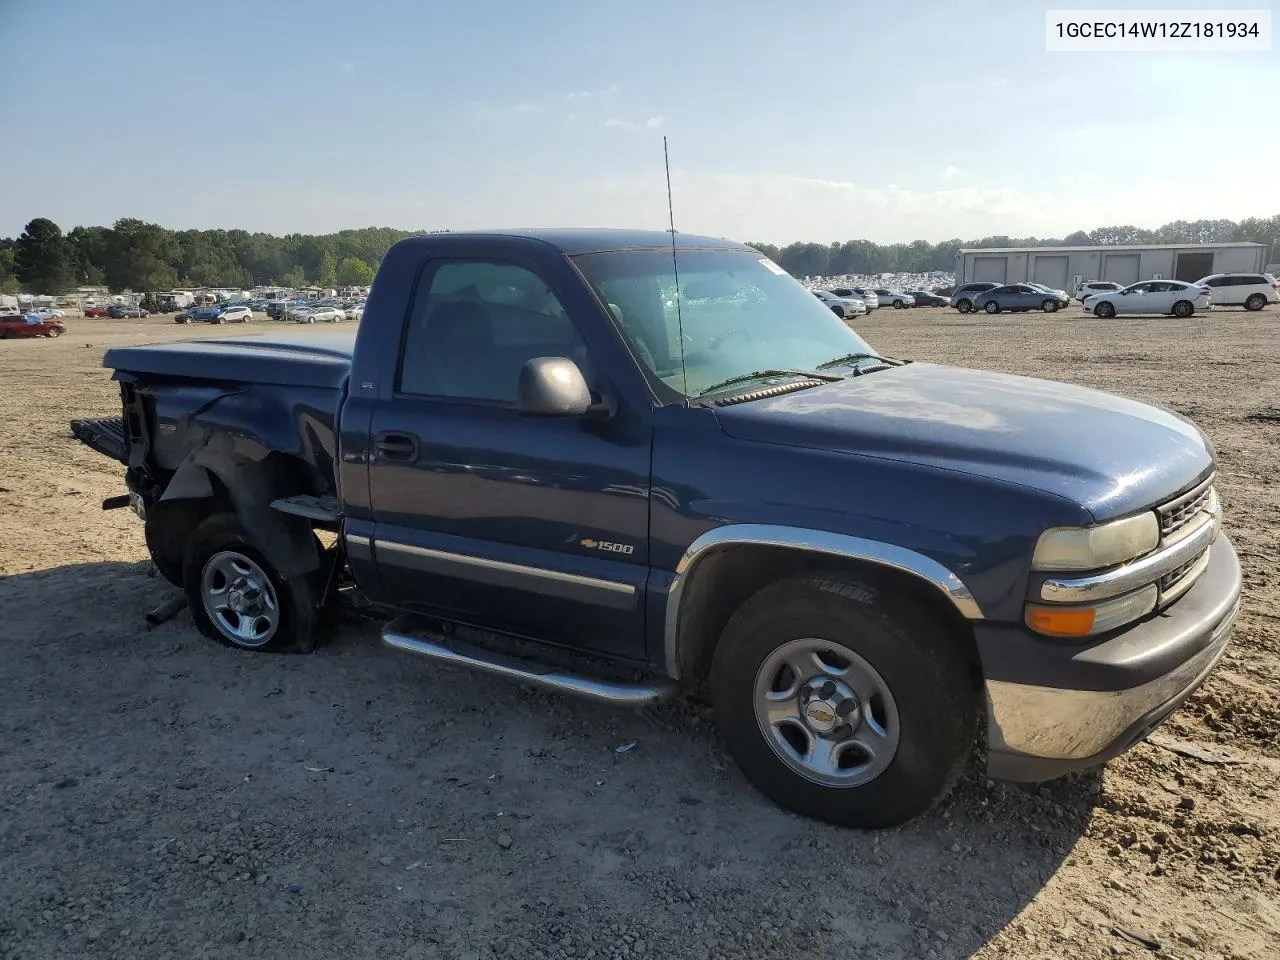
<point>515,576</point>
<point>357,541</point>
<point>399,636</point>
<point>1131,576</point>
<point>812,541</point>
<point>359,549</point>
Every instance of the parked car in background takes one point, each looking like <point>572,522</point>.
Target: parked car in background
<point>894,298</point>
<point>356,311</point>
<point>119,310</point>
<point>1253,291</point>
<point>1064,298</point>
<point>966,293</point>
<point>1019,298</point>
<point>97,311</point>
<point>321,315</point>
<point>868,297</point>
<point>237,313</point>
<point>1152,296</point>
<point>48,313</point>
<point>1095,287</point>
<point>924,298</point>
<point>843,307</point>
<point>200,315</point>
<point>23,325</point>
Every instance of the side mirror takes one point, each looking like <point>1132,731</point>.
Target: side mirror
<point>553,386</point>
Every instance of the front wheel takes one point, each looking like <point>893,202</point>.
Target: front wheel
<point>238,599</point>
<point>899,305</point>
<point>53,332</point>
<point>840,705</point>
<point>1104,310</point>
<point>1049,306</point>
<point>1255,302</point>
<point>992,307</point>
<point>1183,308</point>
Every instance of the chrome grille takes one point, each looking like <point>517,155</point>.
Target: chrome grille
<point>1180,511</point>
<point>1173,576</point>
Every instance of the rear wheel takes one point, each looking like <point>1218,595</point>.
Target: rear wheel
<point>1104,310</point>
<point>1183,308</point>
<point>964,306</point>
<point>992,307</point>
<point>1255,302</point>
<point>840,705</point>
<point>238,599</point>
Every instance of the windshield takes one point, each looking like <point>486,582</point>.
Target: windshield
<point>740,313</point>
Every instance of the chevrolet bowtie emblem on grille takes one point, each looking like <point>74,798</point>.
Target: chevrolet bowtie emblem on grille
<point>590,544</point>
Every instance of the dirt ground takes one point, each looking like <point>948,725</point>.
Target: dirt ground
<point>162,797</point>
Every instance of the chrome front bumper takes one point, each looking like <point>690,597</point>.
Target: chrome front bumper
<point>1112,694</point>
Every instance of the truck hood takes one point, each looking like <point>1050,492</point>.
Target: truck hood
<point>308,360</point>
<point>1108,454</point>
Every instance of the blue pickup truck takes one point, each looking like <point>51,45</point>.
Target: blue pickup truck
<point>624,466</point>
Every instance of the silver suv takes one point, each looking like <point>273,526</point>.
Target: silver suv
<point>966,293</point>
<point>1253,291</point>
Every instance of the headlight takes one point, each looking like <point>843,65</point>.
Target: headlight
<point>1062,621</point>
<point>1089,548</point>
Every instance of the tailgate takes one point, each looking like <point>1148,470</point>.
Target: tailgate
<point>105,436</point>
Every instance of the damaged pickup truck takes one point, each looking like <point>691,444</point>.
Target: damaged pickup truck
<point>666,468</point>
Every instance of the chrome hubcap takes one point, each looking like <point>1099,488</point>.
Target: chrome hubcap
<point>826,712</point>
<point>239,599</point>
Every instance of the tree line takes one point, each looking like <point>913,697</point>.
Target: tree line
<point>139,256</point>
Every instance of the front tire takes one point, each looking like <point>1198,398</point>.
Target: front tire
<point>238,599</point>
<point>1049,306</point>
<point>841,705</point>
<point>1104,310</point>
<point>992,307</point>
<point>1255,302</point>
<point>899,305</point>
<point>53,332</point>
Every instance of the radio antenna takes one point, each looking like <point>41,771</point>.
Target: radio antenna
<point>675,268</point>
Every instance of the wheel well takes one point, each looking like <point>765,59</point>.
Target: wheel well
<point>722,581</point>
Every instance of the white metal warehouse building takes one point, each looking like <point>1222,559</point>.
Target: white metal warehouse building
<point>1064,268</point>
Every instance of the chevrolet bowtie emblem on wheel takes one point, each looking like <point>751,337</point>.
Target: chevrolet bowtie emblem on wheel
<point>819,714</point>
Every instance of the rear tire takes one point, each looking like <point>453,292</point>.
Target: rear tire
<point>964,306</point>
<point>223,570</point>
<point>904,688</point>
<point>1183,308</point>
<point>1255,302</point>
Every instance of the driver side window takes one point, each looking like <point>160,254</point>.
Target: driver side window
<point>475,324</point>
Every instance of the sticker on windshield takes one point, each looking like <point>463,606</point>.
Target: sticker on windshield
<point>772,267</point>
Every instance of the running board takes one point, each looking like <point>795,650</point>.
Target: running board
<point>400,635</point>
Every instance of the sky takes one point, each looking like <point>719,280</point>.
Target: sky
<point>815,121</point>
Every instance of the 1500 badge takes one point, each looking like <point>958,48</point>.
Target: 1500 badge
<point>607,547</point>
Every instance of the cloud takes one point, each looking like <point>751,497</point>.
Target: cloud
<point>653,123</point>
<point>950,172</point>
<point>605,94</point>
<point>348,68</point>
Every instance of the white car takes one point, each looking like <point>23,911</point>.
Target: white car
<point>894,298</point>
<point>1151,296</point>
<point>1253,291</point>
<point>235,315</point>
<point>843,307</point>
<point>1094,287</point>
<point>868,297</point>
<point>355,311</point>
<point>322,315</point>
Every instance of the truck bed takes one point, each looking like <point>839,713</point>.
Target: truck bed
<point>105,435</point>
<point>322,360</point>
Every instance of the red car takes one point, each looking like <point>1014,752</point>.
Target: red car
<point>96,312</point>
<point>12,328</point>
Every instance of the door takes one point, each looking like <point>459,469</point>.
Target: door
<point>1160,296</point>
<point>1027,298</point>
<point>990,268</point>
<point>1193,266</point>
<point>1052,272</point>
<point>533,525</point>
<point>1121,268</point>
<point>1132,299</point>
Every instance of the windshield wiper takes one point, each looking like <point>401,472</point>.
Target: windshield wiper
<point>849,358</point>
<point>760,374</point>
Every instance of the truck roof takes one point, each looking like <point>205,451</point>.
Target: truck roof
<point>575,240</point>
